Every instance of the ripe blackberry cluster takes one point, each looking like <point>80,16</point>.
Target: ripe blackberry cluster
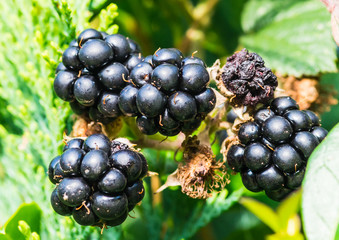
<point>93,72</point>
<point>275,148</point>
<point>168,93</point>
<point>245,75</point>
<point>97,181</point>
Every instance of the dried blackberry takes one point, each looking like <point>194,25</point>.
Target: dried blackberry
<point>246,76</point>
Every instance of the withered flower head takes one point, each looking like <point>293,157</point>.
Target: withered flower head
<point>246,76</point>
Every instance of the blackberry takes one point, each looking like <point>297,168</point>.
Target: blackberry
<point>98,181</point>
<point>108,104</point>
<point>70,161</point>
<point>127,101</point>
<point>147,125</point>
<point>235,157</point>
<point>249,132</point>
<point>141,74</point>
<point>206,101</point>
<point>150,101</point>
<point>108,207</point>
<point>194,78</point>
<point>70,58</point>
<point>63,85</point>
<point>94,165</point>
<point>120,45</point>
<point>58,206</point>
<point>85,215</point>
<point>246,76</point>
<point>51,169</point>
<point>94,65</point>
<point>74,143</point>
<point>172,94</point>
<point>112,76</point>
<point>166,55</point>
<point>182,106</point>
<point>88,34</point>
<point>166,77</point>
<point>274,148</point>
<point>231,116</point>
<point>133,60</point>
<point>86,90</point>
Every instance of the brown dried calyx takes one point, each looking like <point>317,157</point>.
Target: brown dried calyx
<point>200,174</point>
<point>308,93</point>
<point>83,127</point>
<point>246,76</point>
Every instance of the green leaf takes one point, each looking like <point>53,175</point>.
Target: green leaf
<point>4,237</point>
<point>27,217</point>
<point>263,212</point>
<point>293,37</point>
<point>288,208</point>
<point>214,206</point>
<point>320,207</point>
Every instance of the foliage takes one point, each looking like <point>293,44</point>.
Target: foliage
<point>321,179</point>
<point>292,36</point>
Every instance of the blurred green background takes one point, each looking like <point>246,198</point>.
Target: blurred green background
<point>293,37</point>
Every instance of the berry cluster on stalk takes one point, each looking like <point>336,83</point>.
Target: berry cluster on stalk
<point>168,93</point>
<point>93,71</point>
<point>98,181</point>
<point>274,148</point>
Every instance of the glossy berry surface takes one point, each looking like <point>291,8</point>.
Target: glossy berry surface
<point>74,143</point>
<point>108,104</point>
<point>58,206</point>
<point>128,101</point>
<point>277,129</point>
<point>109,207</point>
<point>97,142</point>
<point>128,162</point>
<point>98,181</point>
<point>147,125</point>
<point>113,76</point>
<point>249,180</point>
<point>249,132</point>
<point>166,55</point>
<point>299,120</point>
<point>85,215</point>
<point>182,106</point>
<point>274,149</point>
<point>95,54</point>
<point>235,157</point>
<point>141,74</point>
<point>120,46</point>
<point>113,181</point>
<point>94,65</point>
<point>206,101</point>
<point>282,104</point>
<point>86,90</point>
<point>51,168</point>
<point>70,58</point>
<point>150,101</point>
<point>257,156</point>
<point>94,165</point>
<point>194,78</point>
<point>70,161</point>
<point>73,191</point>
<point>166,77</point>
<point>63,85</point>
<point>172,94</point>
<point>88,34</point>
